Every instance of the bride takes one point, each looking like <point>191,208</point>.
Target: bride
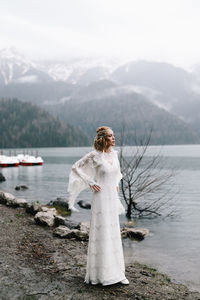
<point>100,170</point>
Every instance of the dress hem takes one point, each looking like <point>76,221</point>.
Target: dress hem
<point>104,282</point>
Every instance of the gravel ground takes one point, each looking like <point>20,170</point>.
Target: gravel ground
<point>36,265</point>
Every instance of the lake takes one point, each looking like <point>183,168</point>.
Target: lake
<point>174,243</point>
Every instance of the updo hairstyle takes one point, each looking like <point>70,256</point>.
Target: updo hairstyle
<point>100,141</point>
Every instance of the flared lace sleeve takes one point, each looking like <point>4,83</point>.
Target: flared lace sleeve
<point>81,177</point>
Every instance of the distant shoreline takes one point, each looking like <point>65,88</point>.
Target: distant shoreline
<point>91,146</point>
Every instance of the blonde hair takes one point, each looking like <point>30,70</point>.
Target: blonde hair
<point>100,142</point>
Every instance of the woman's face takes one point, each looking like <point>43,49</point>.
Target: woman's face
<point>110,138</point>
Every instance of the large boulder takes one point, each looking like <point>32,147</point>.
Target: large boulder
<point>65,232</point>
<point>33,208</point>
<point>3,198</point>
<point>46,217</point>
<point>17,202</point>
<point>134,233</point>
<point>2,178</point>
<point>10,200</point>
<point>59,220</point>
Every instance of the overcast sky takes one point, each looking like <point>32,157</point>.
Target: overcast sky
<point>161,30</point>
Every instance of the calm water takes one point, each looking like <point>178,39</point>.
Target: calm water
<point>173,245</point>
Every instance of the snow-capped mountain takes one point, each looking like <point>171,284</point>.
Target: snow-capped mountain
<point>74,71</point>
<point>15,67</point>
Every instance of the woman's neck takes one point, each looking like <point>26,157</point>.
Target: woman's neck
<point>108,150</point>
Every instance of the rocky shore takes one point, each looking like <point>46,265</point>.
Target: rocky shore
<point>36,264</point>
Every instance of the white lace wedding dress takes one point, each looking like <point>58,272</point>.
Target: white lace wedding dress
<point>105,261</point>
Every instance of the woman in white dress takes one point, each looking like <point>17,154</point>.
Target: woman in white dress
<point>100,170</point>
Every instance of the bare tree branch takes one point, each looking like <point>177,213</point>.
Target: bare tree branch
<point>144,176</point>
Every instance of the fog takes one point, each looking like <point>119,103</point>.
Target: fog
<point>159,30</point>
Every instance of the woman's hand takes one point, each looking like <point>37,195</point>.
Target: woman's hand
<point>117,189</point>
<point>95,187</point>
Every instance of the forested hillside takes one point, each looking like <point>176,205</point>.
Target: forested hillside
<point>133,111</point>
<point>25,125</point>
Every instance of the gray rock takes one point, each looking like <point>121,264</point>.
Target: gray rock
<point>46,218</point>
<point>71,224</point>
<point>8,196</point>
<point>17,202</point>
<point>21,187</point>
<point>10,200</point>
<point>50,210</point>
<point>59,220</point>
<point>33,208</point>
<point>135,233</point>
<point>3,198</point>
<point>84,226</point>
<point>62,231</point>
<point>2,178</point>
<point>84,204</point>
<point>60,199</point>
<point>60,202</point>
<point>65,232</point>
<point>81,235</point>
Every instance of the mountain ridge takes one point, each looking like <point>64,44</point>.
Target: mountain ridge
<point>171,88</point>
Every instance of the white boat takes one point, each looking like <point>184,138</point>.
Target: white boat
<point>8,161</point>
<point>29,160</point>
<point>20,159</point>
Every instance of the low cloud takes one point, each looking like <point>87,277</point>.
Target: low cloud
<point>27,79</point>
